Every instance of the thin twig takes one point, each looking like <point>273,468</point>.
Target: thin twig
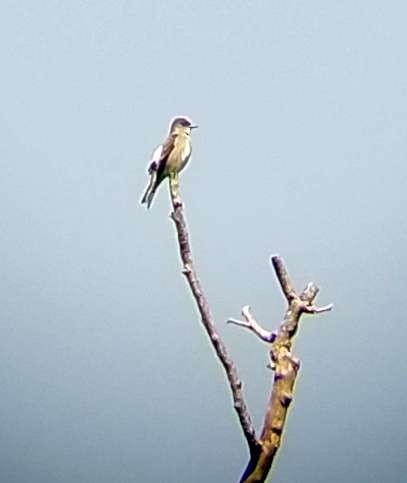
<point>251,324</point>
<point>207,320</point>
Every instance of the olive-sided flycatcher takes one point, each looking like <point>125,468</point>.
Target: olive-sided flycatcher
<point>170,157</point>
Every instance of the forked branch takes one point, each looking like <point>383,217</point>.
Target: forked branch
<point>285,367</point>
<point>263,448</point>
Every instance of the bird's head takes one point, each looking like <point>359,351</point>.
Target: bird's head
<point>181,124</point>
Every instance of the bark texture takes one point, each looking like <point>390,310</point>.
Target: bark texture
<point>264,448</point>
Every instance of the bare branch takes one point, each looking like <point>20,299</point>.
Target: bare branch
<point>286,367</point>
<point>311,309</point>
<point>283,277</point>
<point>251,324</point>
<point>284,364</point>
<point>309,293</point>
<point>207,320</point>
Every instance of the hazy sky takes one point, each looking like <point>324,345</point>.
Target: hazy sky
<point>105,372</point>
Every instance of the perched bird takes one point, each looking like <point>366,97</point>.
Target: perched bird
<point>170,157</point>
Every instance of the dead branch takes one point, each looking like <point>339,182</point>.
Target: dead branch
<point>207,320</point>
<point>285,367</point>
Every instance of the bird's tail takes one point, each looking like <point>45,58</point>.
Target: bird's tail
<point>150,190</point>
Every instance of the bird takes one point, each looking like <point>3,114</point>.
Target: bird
<point>170,157</point>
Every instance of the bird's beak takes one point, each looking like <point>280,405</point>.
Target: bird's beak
<point>194,126</point>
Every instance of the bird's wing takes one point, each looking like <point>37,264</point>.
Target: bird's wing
<point>160,155</point>
<point>156,168</point>
<point>155,159</point>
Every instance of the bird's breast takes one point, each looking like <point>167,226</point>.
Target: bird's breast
<point>186,152</point>
<point>179,156</point>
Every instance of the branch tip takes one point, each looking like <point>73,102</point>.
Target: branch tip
<point>246,312</point>
<point>311,309</point>
<point>283,277</point>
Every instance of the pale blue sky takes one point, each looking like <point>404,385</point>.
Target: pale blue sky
<point>105,372</point>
